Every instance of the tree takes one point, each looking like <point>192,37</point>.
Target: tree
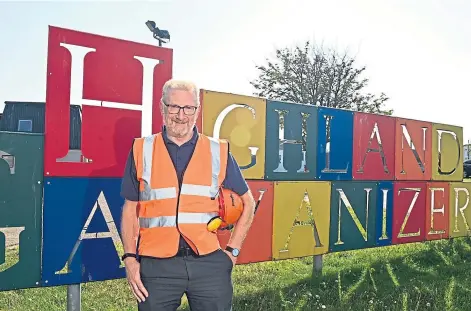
<point>312,75</point>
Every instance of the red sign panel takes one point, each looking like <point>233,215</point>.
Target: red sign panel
<point>413,150</point>
<point>437,211</point>
<point>374,146</point>
<point>257,246</point>
<point>117,84</point>
<point>409,212</point>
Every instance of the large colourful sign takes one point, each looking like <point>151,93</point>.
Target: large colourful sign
<point>327,180</point>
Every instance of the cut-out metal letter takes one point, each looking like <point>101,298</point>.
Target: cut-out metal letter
<point>363,230</point>
<point>306,203</point>
<point>409,211</point>
<point>112,233</point>
<point>461,209</point>
<point>374,133</point>
<point>410,143</point>
<point>11,234</point>
<point>434,210</point>
<point>328,143</point>
<point>217,130</point>
<point>283,141</point>
<point>455,138</point>
<point>10,159</point>
<point>384,232</point>
<point>78,54</point>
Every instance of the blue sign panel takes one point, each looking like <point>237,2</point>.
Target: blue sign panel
<point>384,214</point>
<point>335,144</point>
<point>81,230</point>
<point>291,141</point>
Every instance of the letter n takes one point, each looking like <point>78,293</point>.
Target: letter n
<point>353,210</point>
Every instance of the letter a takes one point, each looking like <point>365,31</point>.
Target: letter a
<point>112,233</point>
<point>374,133</point>
<point>305,204</point>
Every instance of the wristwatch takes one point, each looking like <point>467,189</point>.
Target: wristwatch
<point>234,251</point>
<point>126,255</point>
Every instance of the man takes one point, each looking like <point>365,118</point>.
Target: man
<point>169,185</point>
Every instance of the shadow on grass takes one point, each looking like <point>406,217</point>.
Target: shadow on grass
<point>423,276</point>
<point>437,278</point>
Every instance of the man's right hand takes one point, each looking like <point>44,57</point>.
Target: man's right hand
<point>134,279</point>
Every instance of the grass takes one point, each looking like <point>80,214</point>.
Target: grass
<point>420,276</point>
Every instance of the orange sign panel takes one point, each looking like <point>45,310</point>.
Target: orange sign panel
<point>413,150</point>
<point>258,242</point>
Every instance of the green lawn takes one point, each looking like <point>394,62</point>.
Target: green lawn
<point>421,276</point>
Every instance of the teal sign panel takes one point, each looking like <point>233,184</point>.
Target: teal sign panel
<point>353,210</point>
<point>291,141</point>
<point>21,180</point>
<point>335,144</point>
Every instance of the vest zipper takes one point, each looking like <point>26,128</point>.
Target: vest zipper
<point>180,182</point>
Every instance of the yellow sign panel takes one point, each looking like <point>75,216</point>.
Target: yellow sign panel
<point>301,218</point>
<point>460,209</point>
<point>447,152</point>
<point>241,120</point>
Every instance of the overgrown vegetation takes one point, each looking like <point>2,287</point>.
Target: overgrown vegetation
<point>420,276</point>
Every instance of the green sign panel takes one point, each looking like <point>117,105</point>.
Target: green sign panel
<point>21,176</point>
<point>352,215</point>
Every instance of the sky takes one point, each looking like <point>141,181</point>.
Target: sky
<point>417,52</point>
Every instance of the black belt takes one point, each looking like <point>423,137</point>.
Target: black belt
<point>182,252</point>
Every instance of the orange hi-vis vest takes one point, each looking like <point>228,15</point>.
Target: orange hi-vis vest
<point>167,210</point>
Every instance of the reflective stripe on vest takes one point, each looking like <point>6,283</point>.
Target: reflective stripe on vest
<point>171,221</point>
<point>149,194</point>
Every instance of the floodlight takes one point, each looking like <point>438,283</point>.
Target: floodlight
<point>158,34</point>
<point>150,25</point>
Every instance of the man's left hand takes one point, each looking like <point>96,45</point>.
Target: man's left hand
<point>234,259</point>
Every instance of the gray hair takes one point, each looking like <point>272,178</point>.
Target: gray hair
<point>173,84</point>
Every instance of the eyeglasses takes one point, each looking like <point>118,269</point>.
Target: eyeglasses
<point>187,110</point>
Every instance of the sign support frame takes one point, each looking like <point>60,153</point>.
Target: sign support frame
<point>74,297</point>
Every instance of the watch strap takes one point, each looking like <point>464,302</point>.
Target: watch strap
<point>231,250</point>
<point>126,255</point>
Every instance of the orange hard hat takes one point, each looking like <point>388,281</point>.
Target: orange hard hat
<point>230,209</point>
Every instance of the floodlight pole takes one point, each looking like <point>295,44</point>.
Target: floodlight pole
<point>73,297</point>
<point>158,39</point>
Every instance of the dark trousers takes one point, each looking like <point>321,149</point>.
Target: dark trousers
<point>206,281</point>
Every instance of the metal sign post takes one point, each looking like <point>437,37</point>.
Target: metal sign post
<point>73,297</point>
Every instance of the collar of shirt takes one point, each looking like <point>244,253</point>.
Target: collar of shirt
<point>192,140</point>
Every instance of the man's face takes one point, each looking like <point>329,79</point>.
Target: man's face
<point>180,122</point>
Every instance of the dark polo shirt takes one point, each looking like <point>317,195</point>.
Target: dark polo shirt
<point>180,156</point>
